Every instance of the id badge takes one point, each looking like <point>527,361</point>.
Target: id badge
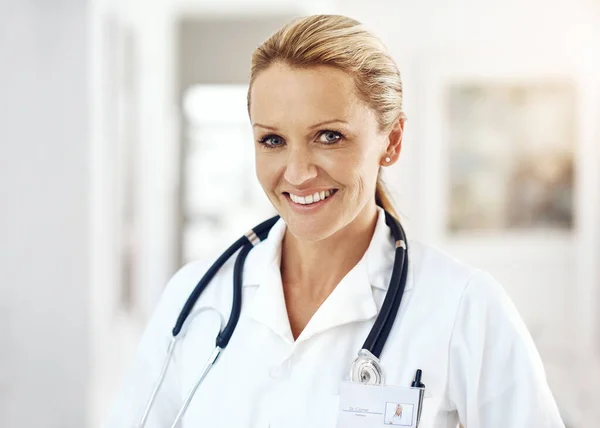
<point>370,406</point>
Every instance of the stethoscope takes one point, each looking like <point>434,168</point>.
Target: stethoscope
<point>366,367</point>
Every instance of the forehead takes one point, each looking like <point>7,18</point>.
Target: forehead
<point>282,93</point>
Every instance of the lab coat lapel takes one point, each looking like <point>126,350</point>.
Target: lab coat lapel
<point>353,299</point>
<point>268,305</point>
<point>350,301</point>
<point>269,308</point>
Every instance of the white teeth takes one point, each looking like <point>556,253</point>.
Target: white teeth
<point>311,199</point>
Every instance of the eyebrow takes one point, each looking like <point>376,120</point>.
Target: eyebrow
<point>316,125</point>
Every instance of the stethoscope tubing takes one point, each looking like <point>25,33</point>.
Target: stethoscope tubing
<point>192,392</point>
<point>387,315</point>
<point>260,232</point>
<point>236,305</point>
<point>373,345</point>
<point>159,382</point>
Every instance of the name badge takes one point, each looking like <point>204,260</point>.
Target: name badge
<point>369,406</point>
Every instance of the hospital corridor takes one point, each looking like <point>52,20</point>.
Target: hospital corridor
<point>127,152</point>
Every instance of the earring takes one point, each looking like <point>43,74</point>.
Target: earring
<point>387,159</point>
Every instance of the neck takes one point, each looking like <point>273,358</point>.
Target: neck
<point>315,268</point>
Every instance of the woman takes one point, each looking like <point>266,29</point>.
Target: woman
<point>396,418</point>
<point>325,103</point>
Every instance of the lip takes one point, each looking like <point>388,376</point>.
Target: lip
<point>311,207</point>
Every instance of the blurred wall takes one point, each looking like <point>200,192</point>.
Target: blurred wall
<point>44,228</point>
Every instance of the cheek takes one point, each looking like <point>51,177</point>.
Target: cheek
<point>358,168</point>
<point>261,174</point>
<point>266,171</point>
<point>370,164</point>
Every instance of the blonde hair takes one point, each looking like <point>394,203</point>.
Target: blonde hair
<point>343,43</point>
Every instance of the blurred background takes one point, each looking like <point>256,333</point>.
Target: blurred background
<point>126,151</point>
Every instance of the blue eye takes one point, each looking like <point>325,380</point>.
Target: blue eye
<point>330,137</point>
<point>271,141</point>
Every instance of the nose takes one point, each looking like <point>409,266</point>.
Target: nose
<point>300,167</point>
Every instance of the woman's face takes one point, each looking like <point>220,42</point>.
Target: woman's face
<point>315,141</point>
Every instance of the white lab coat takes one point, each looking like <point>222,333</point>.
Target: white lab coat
<point>455,323</point>
<point>402,419</point>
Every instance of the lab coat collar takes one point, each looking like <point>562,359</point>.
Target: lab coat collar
<point>351,301</point>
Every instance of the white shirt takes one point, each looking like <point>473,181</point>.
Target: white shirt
<point>455,323</point>
<point>400,419</point>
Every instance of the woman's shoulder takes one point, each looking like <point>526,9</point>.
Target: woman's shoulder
<point>178,288</point>
<point>471,296</point>
<point>439,272</point>
<point>185,279</point>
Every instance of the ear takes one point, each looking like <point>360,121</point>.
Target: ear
<point>394,143</point>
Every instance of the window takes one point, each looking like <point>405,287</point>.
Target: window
<point>221,197</point>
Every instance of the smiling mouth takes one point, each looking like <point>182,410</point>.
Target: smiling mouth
<point>311,199</point>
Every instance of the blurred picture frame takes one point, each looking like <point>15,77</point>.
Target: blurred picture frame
<point>487,171</point>
<point>511,155</point>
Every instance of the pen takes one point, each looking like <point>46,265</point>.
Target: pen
<point>418,384</point>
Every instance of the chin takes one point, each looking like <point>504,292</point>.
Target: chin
<point>312,226</point>
<point>310,234</point>
<point>311,229</point>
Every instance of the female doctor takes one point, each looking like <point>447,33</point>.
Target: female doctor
<point>325,103</point>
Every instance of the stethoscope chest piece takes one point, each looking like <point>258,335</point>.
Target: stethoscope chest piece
<point>366,369</point>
